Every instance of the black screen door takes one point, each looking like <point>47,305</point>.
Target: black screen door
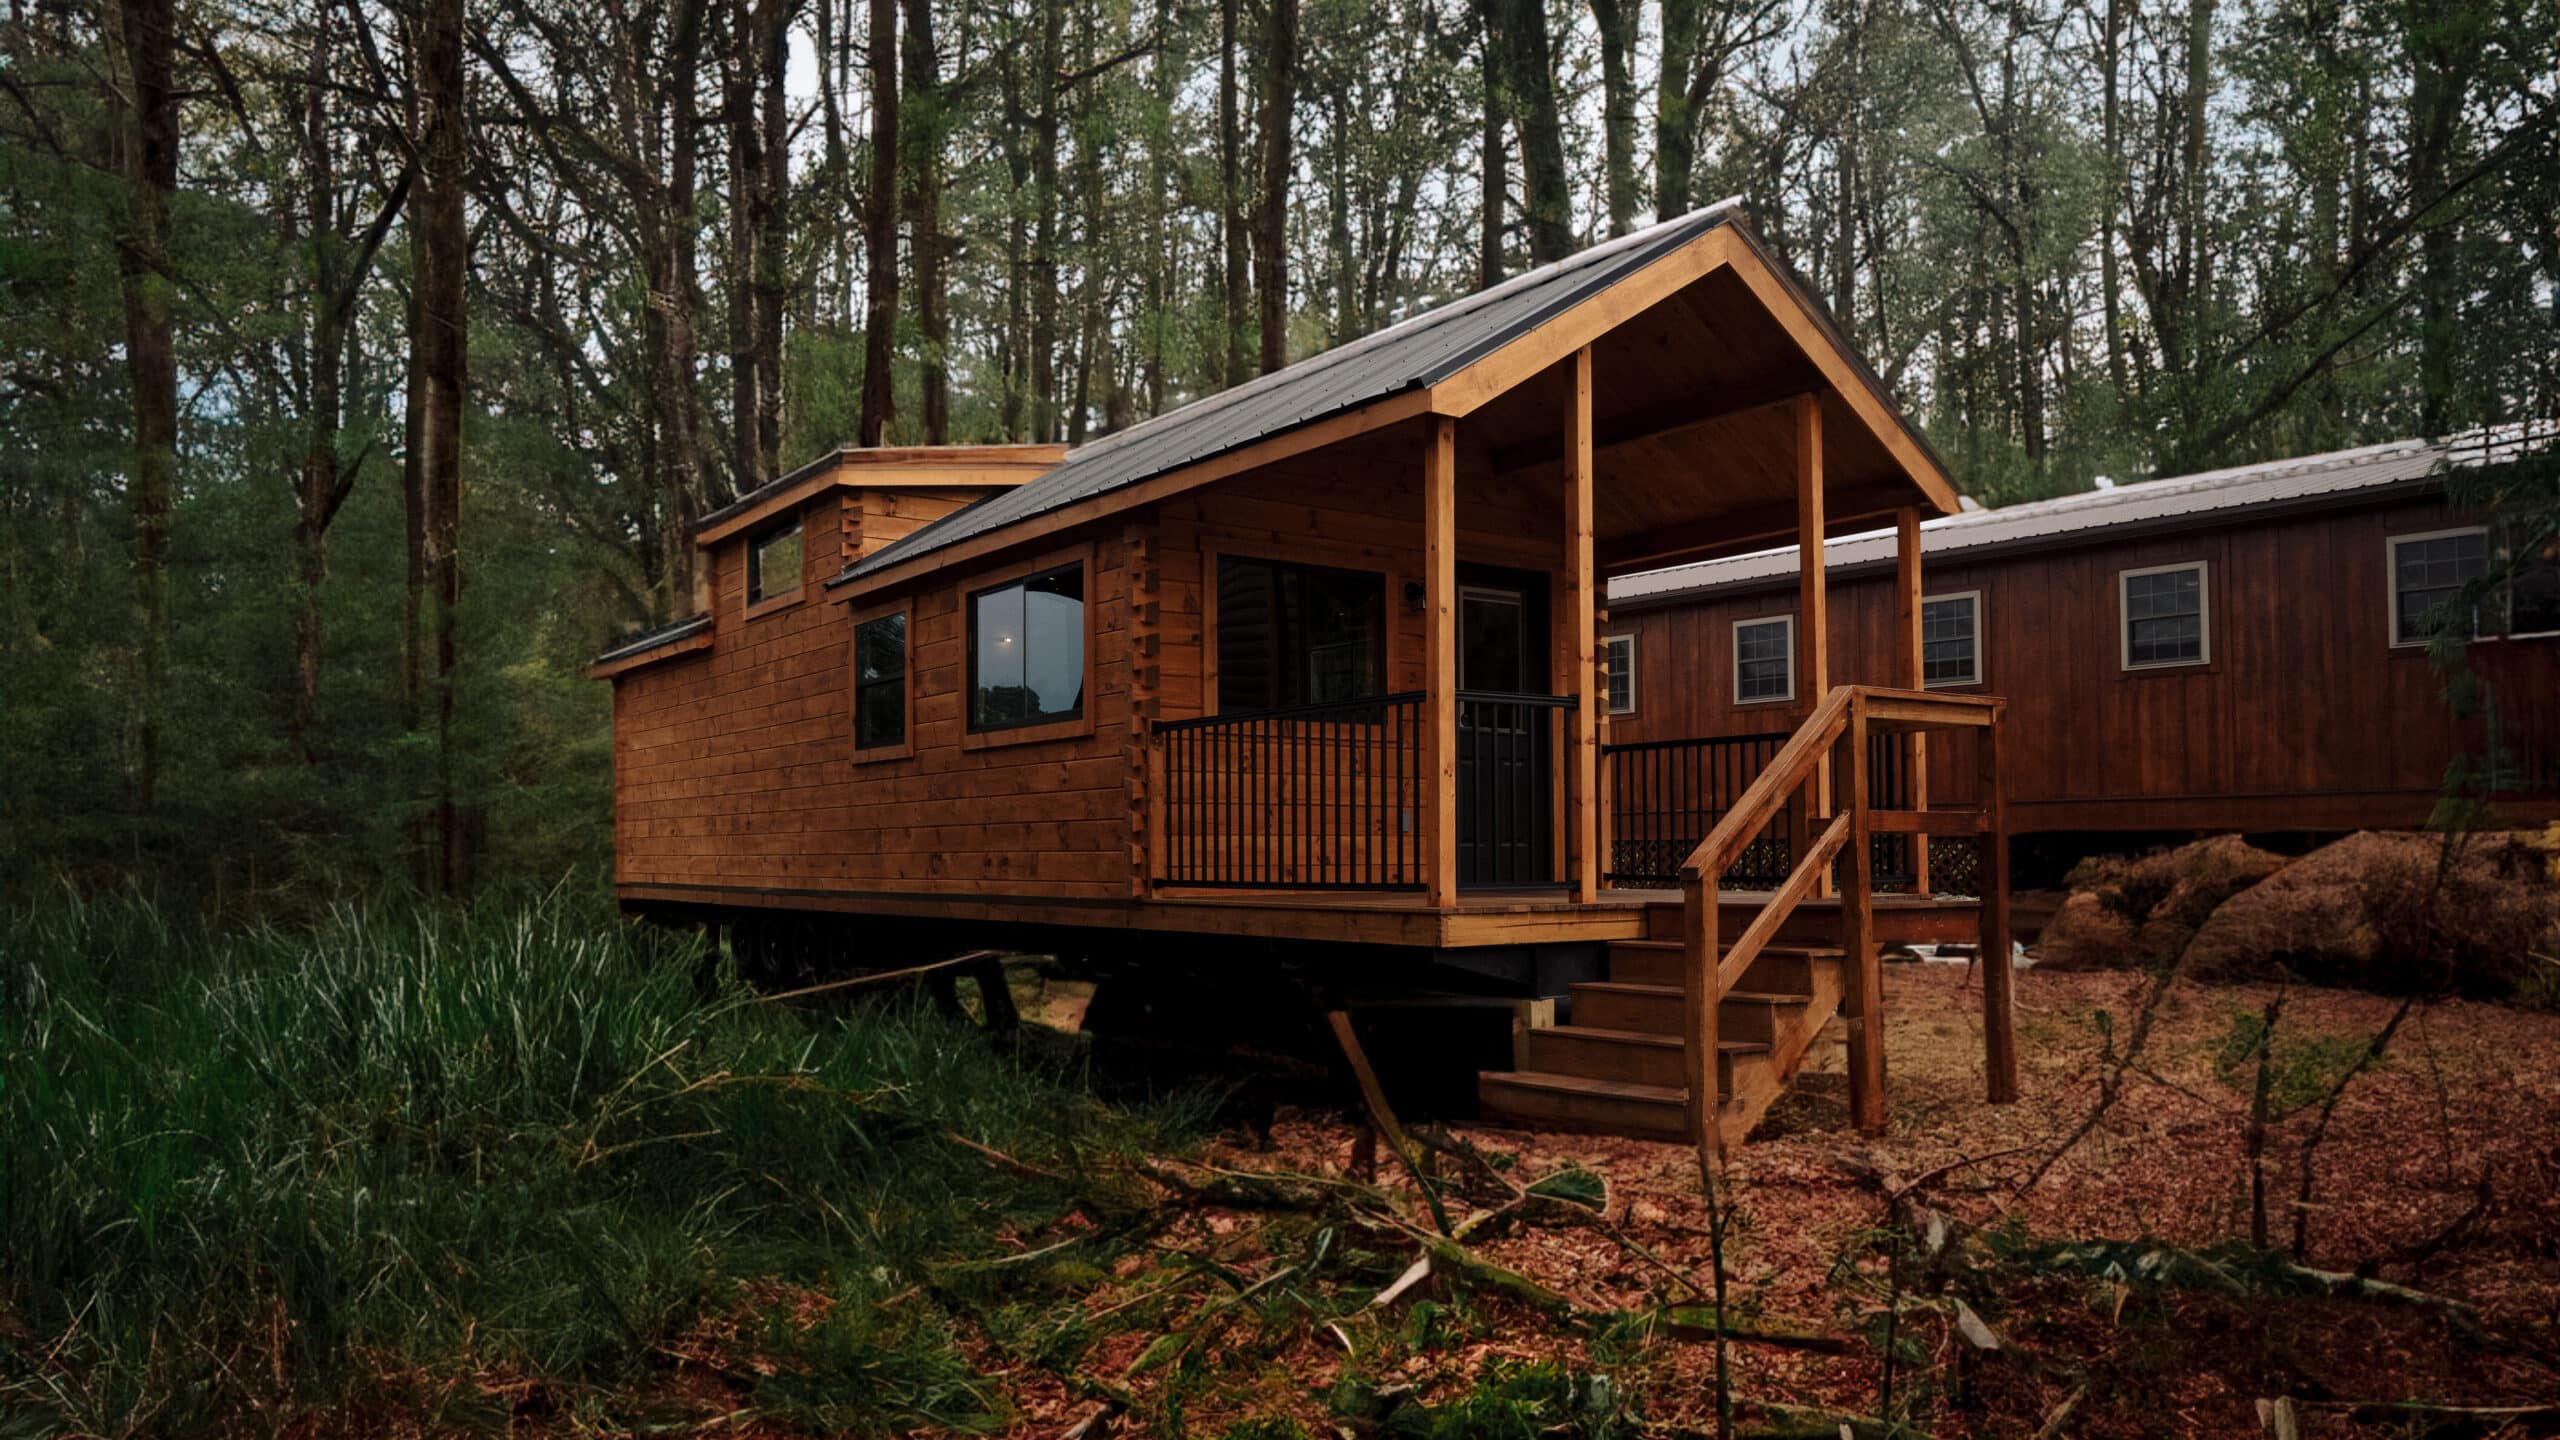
<point>1505,768</point>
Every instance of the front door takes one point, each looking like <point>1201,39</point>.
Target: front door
<point>1505,757</point>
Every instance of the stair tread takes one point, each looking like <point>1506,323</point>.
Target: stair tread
<point>1585,1085</point>
<point>1816,952</point>
<point>1649,1037</point>
<point>1637,987</point>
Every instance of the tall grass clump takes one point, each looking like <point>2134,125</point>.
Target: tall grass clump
<point>456,1168</point>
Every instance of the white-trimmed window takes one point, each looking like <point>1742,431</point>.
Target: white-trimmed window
<point>2167,615</point>
<point>2428,575</point>
<point>1951,639</point>
<point>1618,652</point>
<point>1764,660</point>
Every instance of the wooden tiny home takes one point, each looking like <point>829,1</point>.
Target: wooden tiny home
<point>1316,660</point>
<point>2243,649</point>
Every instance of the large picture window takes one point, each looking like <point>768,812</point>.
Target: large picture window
<point>1764,659</point>
<point>880,682</point>
<point>1026,650</point>
<point>1291,634</point>
<point>773,564</point>
<point>2166,610</point>
<point>1951,639</point>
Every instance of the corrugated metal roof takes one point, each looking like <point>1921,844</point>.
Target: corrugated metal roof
<point>1421,351</point>
<point>651,639</point>
<point>2176,499</point>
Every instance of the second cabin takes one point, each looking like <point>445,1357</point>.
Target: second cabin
<point>1317,659</point>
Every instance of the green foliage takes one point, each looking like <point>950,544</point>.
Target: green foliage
<point>2301,1068</point>
<point>281,1170</point>
<point>1539,1400</point>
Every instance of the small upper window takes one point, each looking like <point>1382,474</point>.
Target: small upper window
<point>2165,613</point>
<point>2428,576</point>
<point>1951,639</point>
<point>1619,652</point>
<point>880,682</point>
<point>1764,659</point>
<point>773,563</point>
<point>1026,650</point>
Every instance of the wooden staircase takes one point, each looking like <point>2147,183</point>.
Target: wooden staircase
<point>1780,966</point>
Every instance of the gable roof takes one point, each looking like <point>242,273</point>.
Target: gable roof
<point>1414,354</point>
<point>2180,501</point>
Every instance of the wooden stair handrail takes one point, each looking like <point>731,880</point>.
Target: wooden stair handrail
<point>1798,884</point>
<point>1790,767</point>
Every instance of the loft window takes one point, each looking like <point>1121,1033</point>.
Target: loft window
<point>773,563</point>
<point>1618,652</point>
<point>1764,659</point>
<point>2429,574</point>
<point>880,682</point>
<point>1292,634</point>
<point>1951,639</point>
<point>2166,609</point>
<point>1026,650</point>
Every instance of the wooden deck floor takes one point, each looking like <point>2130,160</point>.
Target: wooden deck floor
<point>1480,918</point>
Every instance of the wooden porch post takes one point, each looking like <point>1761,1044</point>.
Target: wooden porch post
<point>1999,977</point>
<point>1813,612</point>
<point>1440,656</point>
<point>1582,767</point>
<point>1906,628</point>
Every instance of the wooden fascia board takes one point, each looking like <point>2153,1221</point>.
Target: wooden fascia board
<point>1375,415</point>
<point>765,509</point>
<point>1812,337</point>
<point>606,669</point>
<point>1470,389</point>
<point>846,472</point>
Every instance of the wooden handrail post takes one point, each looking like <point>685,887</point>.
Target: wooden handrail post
<point>1813,609</point>
<point>1701,997</point>
<point>1907,603</point>
<point>1580,776</point>
<point>1999,977</point>
<point>1862,971</point>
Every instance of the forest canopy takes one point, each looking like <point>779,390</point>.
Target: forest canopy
<point>366,363</point>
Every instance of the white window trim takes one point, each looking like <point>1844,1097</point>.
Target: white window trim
<point>2391,580</point>
<point>2204,615</point>
<point>1734,677</point>
<point>1976,677</point>
<point>1607,704</point>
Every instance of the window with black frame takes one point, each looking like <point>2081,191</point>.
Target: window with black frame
<point>1026,651</point>
<point>880,682</point>
<point>1291,634</point>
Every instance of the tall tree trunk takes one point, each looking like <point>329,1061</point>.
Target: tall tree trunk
<point>1674,129</point>
<point>1494,151</point>
<point>746,206</point>
<point>880,232</point>
<point>1231,218</point>
<point>773,232</point>
<point>317,496</point>
<point>2199,243</point>
<point>1520,34</point>
<point>1346,282</point>
<point>1162,266</point>
<point>923,126</point>
<point>2111,144</point>
<point>1016,343</point>
<point>1617,24</point>
<point>673,260</point>
<point>1044,227</point>
<point>2437,86</point>
<point>148,145</point>
<point>1271,215</point>
<point>439,364</point>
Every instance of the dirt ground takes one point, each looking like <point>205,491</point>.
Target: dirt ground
<point>2439,1171</point>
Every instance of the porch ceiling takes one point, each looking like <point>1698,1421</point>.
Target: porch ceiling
<point>1694,448</point>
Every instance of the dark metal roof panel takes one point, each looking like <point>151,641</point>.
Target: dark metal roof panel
<point>651,639</point>
<point>1422,351</point>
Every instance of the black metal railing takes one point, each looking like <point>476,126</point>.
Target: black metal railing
<point>1304,798</point>
<point>1665,795</point>
<point>1508,758</point>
